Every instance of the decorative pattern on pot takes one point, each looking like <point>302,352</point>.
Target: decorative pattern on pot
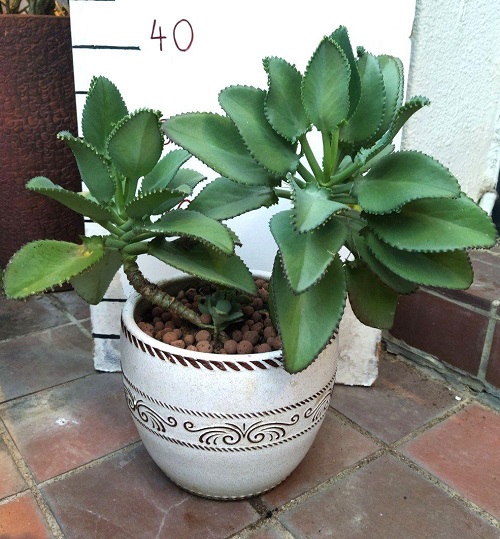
<point>222,426</point>
<point>212,431</point>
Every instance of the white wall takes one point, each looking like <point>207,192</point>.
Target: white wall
<point>456,63</point>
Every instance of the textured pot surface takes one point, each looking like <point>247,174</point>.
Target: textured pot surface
<point>37,101</point>
<point>222,426</point>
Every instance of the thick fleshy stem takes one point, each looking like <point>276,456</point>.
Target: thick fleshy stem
<point>156,296</point>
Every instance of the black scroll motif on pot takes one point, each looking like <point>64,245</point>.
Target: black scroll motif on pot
<point>147,414</point>
<point>232,434</point>
<point>317,412</point>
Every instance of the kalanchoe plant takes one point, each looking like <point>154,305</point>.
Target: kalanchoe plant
<point>400,214</point>
<point>136,195</point>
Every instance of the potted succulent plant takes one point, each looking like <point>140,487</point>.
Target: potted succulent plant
<point>37,100</point>
<point>233,425</point>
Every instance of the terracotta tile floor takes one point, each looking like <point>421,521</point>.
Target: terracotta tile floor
<point>409,458</point>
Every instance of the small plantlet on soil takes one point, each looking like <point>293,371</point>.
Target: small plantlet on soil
<point>252,331</point>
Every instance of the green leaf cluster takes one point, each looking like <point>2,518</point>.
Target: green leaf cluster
<point>400,215</point>
<point>136,193</point>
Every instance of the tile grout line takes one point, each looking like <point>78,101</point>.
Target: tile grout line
<point>362,463</point>
<point>60,305</point>
<point>450,491</point>
<point>74,322</point>
<point>90,464</point>
<point>30,482</point>
<point>6,403</point>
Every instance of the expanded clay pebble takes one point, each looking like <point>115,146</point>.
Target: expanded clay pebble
<point>202,335</point>
<point>230,347</point>
<point>261,348</point>
<point>251,336</point>
<point>204,346</point>
<point>179,343</point>
<point>244,347</point>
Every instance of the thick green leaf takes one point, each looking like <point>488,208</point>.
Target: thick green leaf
<point>403,114</point>
<point>215,141</point>
<point>205,263</point>
<point>392,74</point>
<point>104,108</point>
<point>165,170</point>
<point>186,177</point>
<point>91,285</point>
<point>397,283</point>
<point>136,144</point>
<point>153,203</point>
<point>364,124</point>
<point>305,257</point>
<point>245,106</point>
<point>307,321</point>
<point>401,177</point>
<point>372,301</point>
<point>325,86</point>
<point>43,264</point>
<point>445,270</point>
<point>433,225</point>
<point>312,207</point>
<point>341,37</point>
<point>92,166</point>
<point>194,225</point>
<point>76,202</point>
<point>224,199</point>
<point>283,108</point>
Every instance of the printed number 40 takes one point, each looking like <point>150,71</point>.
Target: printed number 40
<point>177,28</point>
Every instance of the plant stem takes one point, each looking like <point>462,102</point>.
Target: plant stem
<point>283,192</point>
<point>155,295</point>
<point>110,227</point>
<point>302,170</point>
<point>311,159</point>
<point>135,249</point>
<point>327,157</point>
<point>344,174</point>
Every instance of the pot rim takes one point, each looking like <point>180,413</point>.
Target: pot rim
<point>128,322</point>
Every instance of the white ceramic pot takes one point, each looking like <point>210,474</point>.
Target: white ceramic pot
<point>221,426</point>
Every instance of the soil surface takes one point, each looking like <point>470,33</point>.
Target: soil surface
<point>255,333</point>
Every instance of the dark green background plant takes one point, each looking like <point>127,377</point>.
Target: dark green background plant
<point>135,194</point>
<point>34,7</point>
<point>401,215</point>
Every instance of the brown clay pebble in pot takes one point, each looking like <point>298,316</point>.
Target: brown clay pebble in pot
<point>179,343</point>
<point>257,303</point>
<point>204,346</point>
<point>202,335</point>
<point>269,331</point>
<point>169,337</point>
<point>205,318</point>
<point>264,294</point>
<point>244,347</point>
<point>170,325</point>
<point>147,328</point>
<point>157,311</point>
<point>261,348</point>
<point>237,335</point>
<point>260,283</point>
<point>247,310</point>
<point>230,347</point>
<point>159,326</point>
<point>192,348</point>
<point>251,336</point>
<point>256,317</point>
<point>258,327</point>
<point>189,339</point>
<point>166,316</point>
